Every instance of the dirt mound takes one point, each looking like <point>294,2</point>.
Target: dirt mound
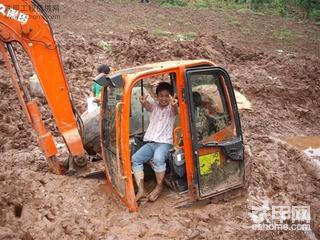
<point>141,47</point>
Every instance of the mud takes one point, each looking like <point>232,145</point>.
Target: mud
<point>283,90</point>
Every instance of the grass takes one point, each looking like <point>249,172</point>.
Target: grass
<point>235,23</point>
<point>161,17</point>
<point>105,45</point>
<point>284,35</point>
<point>189,36</point>
<point>244,10</point>
<point>282,8</point>
<point>160,33</point>
<point>174,3</point>
<point>204,4</point>
<point>239,25</point>
<point>245,31</point>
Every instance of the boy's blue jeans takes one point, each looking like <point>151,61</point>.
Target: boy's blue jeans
<point>158,152</point>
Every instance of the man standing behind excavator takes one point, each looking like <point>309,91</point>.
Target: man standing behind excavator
<point>96,88</point>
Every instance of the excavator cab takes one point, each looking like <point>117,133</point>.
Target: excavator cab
<point>206,158</point>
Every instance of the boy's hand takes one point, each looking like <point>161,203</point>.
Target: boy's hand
<point>173,100</point>
<point>143,99</point>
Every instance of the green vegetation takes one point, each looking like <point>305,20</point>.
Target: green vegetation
<point>302,8</point>
<point>189,36</point>
<point>104,45</point>
<point>179,37</point>
<point>160,33</point>
<point>284,34</point>
<point>175,3</point>
<point>235,23</point>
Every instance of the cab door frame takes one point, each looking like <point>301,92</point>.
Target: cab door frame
<point>117,169</point>
<point>234,149</point>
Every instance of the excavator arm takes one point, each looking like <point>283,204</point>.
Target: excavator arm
<point>25,22</point>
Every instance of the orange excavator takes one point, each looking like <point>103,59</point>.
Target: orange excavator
<point>207,157</point>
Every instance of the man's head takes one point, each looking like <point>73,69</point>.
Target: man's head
<point>196,99</point>
<point>103,68</point>
<point>164,91</point>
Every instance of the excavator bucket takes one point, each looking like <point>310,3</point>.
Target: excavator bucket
<point>91,131</point>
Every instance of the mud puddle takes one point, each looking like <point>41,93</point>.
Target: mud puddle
<point>310,145</point>
<point>304,142</point>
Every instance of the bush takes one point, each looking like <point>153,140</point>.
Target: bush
<point>310,8</point>
<point>315,15</point>
<point>178,3</point>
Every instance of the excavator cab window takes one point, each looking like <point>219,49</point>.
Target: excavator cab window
<point>209,110</point>
<point>111,108</point>
<point>139,117</point>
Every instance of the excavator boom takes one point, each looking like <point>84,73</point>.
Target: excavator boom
<point>25,22</point>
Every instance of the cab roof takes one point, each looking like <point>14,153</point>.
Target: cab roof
<point>161,66</point>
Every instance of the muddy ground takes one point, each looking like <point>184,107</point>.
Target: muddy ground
<point>279,77</point>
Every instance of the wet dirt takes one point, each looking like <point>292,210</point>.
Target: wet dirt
<point>283,90</point>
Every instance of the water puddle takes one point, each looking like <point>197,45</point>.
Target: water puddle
<point>304,142</point>
<point>311,147</point>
